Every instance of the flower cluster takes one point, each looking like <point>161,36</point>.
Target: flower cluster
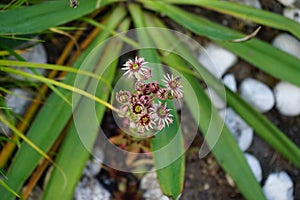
<point>143,107</point>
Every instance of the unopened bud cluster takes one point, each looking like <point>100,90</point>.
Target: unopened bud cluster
<point>143,107</point>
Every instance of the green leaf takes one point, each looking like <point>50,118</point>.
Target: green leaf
<point>189,21</point>
<point>247,13</point>
<point>219,139</point>
<point>4,185</point>
<point>49,67</point>
<point>167,145</point>
<point>56,113</point>
<point>22,136</point>
<point>39,17</point>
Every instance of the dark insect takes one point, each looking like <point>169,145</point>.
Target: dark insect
<point>74,3</point>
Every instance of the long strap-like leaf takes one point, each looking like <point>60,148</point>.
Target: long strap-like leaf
<point>167,145</point>
<point>247,13</point>
<point>40,17</point>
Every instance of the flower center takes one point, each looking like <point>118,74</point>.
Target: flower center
<point>124,98</point>
<point>162,112</point>
<point>145,120</point>
<point>137,108</point>
<point>135,66</point>
<point>173,84</point>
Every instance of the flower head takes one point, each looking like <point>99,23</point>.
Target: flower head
<point>145,122</point>
<point>145,75</point>
<point>138,108</point>
<point>137,68</point>
<point>123,96</point>
<point>162,93</point>
<point>161,114</point>
<point>154,86</point>
<point>147,90</point>
<point>140,86</point>
<point>145,100</point>
<point>173,84</point>
<point>134,98</point>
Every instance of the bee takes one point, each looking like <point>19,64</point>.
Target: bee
<point>74,3</point>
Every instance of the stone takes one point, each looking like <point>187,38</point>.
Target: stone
<point>287,43</point>
<point>36,55</point>
<point>288,3</point>
<point>254,166</point>
<point>278,186</point>
<point>150,185</point>
<point>292,13</point>
<point>287,98</point>
<point>230,82</point>
<point>257,94</point>
<point>93,166</point>
<point>18,100</point>
<point>90,189</point>
<point>36,193</point>
<point>251,3</point>
<point>216,59</point>
<point>242,132</point>
<point>216,100</point>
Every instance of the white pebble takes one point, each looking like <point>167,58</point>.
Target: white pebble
<point>287,2</point>
<point>292,13</point>
<point>90,189</point>
<point>151,187</point>
<point>230,82</point>
<point>216,59</point>
<point>93,166</point>
<point>287,43</point>
<point>98,154</point>
<point>257,94</point>
<point>216,100</point>
<point>278,186</point>
<point>18,100</point>
<point>36,193</point>
<point>254,166</point>
<point>251,3</point>
<point>36,55</point>
<point>287,99</point>
<point>242,132</point>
